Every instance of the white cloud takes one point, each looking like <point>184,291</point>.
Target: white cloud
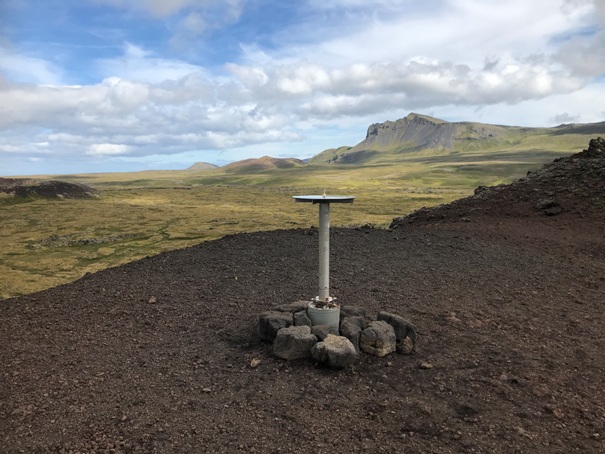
<point>194,23</point>
<point>516,62</point>
<point>164,8</point>
<point>138,64</point>
<point>108,149</point>
<point>28,69</point>
<point>9,148</point>
<point>193,17</point>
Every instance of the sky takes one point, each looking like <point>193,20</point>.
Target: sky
<point>126,85</point>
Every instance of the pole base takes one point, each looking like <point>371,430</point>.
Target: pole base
<point>324,302</point>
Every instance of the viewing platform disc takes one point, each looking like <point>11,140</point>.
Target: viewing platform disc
<point>324,198</point>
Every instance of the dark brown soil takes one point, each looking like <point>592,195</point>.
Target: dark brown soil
<point>510,312</point>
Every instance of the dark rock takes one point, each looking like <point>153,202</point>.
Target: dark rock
<point>401,326</point>
<point>269,323</point>
<point>553,211</point>
<point>365,228</point>
<point>405,346</point>
<point>480,189</point>
<point>549,206</point>
<point>355,320</point>
<point>351,331</point>
<point>294,307</point>
<point>322,331</point>
<point>302,319</point>
<point>336,351</point>
<point>294,342</point>
<point>378,339</point>
<point>352,311</point>
<point>596,148</point>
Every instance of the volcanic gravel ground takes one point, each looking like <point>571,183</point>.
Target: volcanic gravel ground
<point>156,355</point>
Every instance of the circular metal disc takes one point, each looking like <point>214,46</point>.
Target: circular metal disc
<point>324,198</point>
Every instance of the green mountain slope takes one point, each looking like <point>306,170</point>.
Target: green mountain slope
<point>264,164</point>
<point>200,166</point>
<point>420,136</point>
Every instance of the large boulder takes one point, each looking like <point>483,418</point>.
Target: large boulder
<point>353,311</point>
<point>336,351</point>
<point>322,331</point>
<point>402,327</point>
<point>294,342</point>
<point>294,307</point>
<point>269,323</point>
<point>378,339</point>
<point>352,331</point>
<point>302,319</point>
<point>356,320</point>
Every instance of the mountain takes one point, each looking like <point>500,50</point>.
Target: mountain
<point>263,164</point>
<point>199,166</point>
<point>416,133</point>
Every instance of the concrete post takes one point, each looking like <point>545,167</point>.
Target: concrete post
<point>324,251</point>
<point>324,237</point>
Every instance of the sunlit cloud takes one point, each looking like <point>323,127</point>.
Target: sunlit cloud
<point>107,149</point>
<point>516,62</point>
<point>22,68</point>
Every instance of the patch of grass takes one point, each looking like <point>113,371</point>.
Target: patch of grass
<point>49,242</point>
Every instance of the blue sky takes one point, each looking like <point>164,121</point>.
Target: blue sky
<point>121,85</point>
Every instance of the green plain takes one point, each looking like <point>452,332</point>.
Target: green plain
<point>46,242</point>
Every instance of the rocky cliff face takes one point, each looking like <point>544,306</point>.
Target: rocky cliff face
<point>418,132</point>
<point>421,131</point>
<point>413,131</point>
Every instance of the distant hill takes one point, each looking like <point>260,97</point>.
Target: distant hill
<point>27,187</point>
<point>416,133</point>
<point>263,164</point>
<point>199,166</point>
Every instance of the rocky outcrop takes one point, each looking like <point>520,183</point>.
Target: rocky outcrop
<point>413,131</point>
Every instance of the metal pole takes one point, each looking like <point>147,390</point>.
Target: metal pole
<point>324,252</point>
